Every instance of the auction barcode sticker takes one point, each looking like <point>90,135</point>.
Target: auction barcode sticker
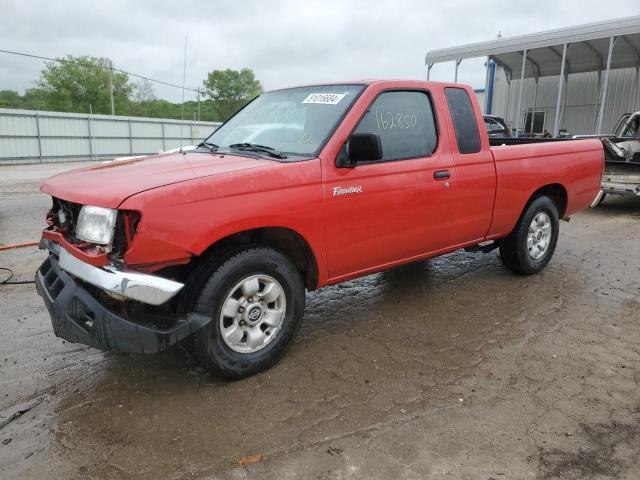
<point>325,98</point>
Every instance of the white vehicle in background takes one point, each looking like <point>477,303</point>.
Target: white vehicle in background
<point>621,175</point>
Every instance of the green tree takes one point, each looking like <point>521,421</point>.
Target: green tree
<point>142,95</point>
<point>143,92</point>
<point>35,99</point>
<point>10,99</point>
<point>74,83</point>
<point>231,89</point>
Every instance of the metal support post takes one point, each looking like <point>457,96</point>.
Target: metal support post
<point>198,104</point>
<point>521,88</point>
<point>90,137</point>
<point>506,113</point>
<point>605,86</point>
<point>597,101</point>
<point>455,78</point>
<point>635,107</point>
<point>130,138</point>
<point>429,67</point>
<point>556,124</point>
<point>564,97</point>
<point>533,111</point>
<point>39,137</point>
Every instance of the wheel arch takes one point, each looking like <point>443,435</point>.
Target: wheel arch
<point>556,192</point>
<point>284,239</point>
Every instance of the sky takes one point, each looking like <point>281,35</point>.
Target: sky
<point>285,42</point>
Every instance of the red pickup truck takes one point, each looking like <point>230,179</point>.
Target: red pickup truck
<point>302,188</point>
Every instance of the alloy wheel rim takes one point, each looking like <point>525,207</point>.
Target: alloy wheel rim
<point>252,313</point>
<point>539,236</point>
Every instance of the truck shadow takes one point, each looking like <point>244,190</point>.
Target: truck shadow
<point>619,205</point>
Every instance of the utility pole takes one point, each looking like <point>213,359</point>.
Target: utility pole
<point>198,103</point>
<point>113,106</point>
<point>184,78</point>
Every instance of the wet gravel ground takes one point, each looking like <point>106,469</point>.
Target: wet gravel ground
<point>450,368</point>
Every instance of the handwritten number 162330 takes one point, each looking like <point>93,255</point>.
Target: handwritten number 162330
<point>387,120</point>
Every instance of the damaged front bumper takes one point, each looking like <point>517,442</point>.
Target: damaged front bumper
<point>77,316</point>
<point>142,287</point>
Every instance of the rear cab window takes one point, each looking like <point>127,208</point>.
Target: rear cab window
<point>405,122</point>
<point>464,120</point>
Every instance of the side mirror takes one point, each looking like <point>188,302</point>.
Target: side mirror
<point>364,147</point>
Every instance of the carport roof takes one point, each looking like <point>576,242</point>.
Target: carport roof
<point>587,49</point>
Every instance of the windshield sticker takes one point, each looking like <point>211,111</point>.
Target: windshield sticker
<point>324,98</point>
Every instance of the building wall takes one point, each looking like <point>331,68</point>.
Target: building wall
<point>28,136</point>
<point>581,105</point>
<point>481,96</point>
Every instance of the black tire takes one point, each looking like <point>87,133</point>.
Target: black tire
<point>210,348</point>
<point>514,251</point>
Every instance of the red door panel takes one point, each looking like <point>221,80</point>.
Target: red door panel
<point>474,185</point>
<point>397,210</point>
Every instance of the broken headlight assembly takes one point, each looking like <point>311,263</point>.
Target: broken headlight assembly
<point>96,224</point>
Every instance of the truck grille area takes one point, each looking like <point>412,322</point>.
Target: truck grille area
<point>81,314</point>
<point>64,215</point>
<point>79,317</point>
<point>76,322</point>
<point>50,279</point>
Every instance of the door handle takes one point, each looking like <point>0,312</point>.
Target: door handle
<point>442,174</point>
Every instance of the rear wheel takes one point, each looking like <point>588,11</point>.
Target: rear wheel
<point>256,301</point>
<point>530,246</point>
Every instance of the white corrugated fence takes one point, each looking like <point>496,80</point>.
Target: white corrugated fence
<point>28,136</point>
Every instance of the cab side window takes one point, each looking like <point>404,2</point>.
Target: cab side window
<point>464,120</point>
<point>405,122</point>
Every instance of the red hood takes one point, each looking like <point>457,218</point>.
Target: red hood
<point>109,184</point>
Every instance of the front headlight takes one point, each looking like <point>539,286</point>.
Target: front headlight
<point>96,224</point>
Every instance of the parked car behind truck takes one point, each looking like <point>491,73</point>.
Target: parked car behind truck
<point>337,181</point>
<point>621,174</point>
<point>496,126</point>
<point>622,152</point>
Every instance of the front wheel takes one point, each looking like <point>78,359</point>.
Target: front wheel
<point>530,246</point>
<point>256,301</point>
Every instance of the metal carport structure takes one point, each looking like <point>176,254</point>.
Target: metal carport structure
<point>595,47</point>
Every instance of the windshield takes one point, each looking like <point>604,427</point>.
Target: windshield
<point>295,121</point>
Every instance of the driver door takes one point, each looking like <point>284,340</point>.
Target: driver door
<point>396,208</point>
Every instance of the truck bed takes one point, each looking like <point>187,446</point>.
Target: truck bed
<point>609,142</point>
<point>577,162</point>
<point>507,141</point>
<point>621,175</point>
